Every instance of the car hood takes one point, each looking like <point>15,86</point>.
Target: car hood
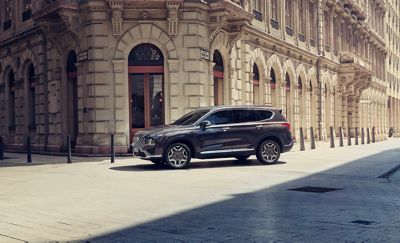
<point>162,129</point>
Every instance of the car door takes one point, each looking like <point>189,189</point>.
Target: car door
<point>246,128</point>
<point>215,137</point>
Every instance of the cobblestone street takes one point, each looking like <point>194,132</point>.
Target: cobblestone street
<point>222,200</point>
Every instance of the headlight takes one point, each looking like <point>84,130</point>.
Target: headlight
<point>151,141</point>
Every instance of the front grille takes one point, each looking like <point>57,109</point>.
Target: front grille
<point>139,141</point>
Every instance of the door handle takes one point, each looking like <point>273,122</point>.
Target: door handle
<point>225,129</point>
<point>259,127</point>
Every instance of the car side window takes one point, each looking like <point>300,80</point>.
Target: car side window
<point>240,116</point>
<point>265,114</point>
<point>219,118</point>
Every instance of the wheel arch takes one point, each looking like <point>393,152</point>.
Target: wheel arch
<point>271,137</point>
<point>187,142</point>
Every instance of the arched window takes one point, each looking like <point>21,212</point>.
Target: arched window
<point>31,96</point>
<point>11,98</point>
<point>256,75</point>
<point>300,84</point>
<point>72,97</point>
<point>273,79</point>
<point>218,78</point>
<point>287,86</point>
<point>146,87</point>
<point>145,55</point>
<point>257,99</point>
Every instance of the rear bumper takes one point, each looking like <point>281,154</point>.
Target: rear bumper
<point>288,147</point>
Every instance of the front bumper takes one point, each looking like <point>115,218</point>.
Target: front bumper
<point>147,152</point>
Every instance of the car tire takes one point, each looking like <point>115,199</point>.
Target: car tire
<point>268,152</point>
<point>242,157</point>
<point>177,156</point>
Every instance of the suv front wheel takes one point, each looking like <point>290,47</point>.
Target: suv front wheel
<point>177,155</point>
<point>268,152</point>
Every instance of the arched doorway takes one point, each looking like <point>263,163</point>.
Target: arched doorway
<point>288,99</point>
<point>313,109</point>
<point>256,84</point>
<point>72,98</point>
<point>302,110</point>
<point>11,102</point>
<point>218,78</point>
<point>146,87</point>
<point>30,74</point>
<point>273,87</point>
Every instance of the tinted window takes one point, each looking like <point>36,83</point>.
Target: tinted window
<point>264,115</point>
<point>218,118</point>
<point>240,116</point>
<point>191,118</point>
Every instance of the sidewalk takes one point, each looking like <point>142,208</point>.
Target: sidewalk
<point>213,200</point>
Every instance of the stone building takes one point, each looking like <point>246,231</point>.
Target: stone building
<point>91,68</point>
<point>392,37</point>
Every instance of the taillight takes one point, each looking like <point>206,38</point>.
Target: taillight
<point>286,124</point>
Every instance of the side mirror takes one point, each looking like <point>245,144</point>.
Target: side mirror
<point>205,124</point>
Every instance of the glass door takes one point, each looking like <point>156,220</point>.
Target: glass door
<point>146,101</point>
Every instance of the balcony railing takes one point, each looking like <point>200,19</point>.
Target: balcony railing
<point>47,8</point>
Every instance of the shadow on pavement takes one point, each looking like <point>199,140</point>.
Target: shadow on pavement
<point>206,164</point>
<point>275,213</point>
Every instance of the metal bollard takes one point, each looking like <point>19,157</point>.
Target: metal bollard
<point>312,138</point>
<point>373,134</point>
<point>362,136</point>
<point>29,149</point>
<point>69,157</point>
<point>302,148</point>
<point>112,149</point>
<point>356,131</point>
<point>340,137</point>
<point>1,148</point>
<point>332,137</point>
<point>368,138</point>
<point>348,136</point>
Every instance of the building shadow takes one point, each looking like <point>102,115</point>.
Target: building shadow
<point>362,209</point>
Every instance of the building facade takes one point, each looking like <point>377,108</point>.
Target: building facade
<point>392,22</point>
<point>88,69</point>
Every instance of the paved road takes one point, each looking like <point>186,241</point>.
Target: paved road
<point>220,200</point>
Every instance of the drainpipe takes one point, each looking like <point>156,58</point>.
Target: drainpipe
<point>46,90</point>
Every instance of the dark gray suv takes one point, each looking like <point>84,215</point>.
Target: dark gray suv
<point>217,132</point>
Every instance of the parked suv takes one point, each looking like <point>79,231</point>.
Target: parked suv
<point>217,132</point>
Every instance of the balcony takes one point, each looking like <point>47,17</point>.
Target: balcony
<point>352,58</point>
<point>50,9</point>
<point>356,8</point>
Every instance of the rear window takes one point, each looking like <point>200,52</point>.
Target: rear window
<point>240,116</point>
<point>264,114</point>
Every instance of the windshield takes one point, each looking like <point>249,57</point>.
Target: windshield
<point>191,118</point>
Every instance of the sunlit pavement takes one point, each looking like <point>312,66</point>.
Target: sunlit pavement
<point>222,200</point>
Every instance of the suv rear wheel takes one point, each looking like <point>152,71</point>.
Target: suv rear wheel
<point>177,155</point>
<point>268,152</point>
